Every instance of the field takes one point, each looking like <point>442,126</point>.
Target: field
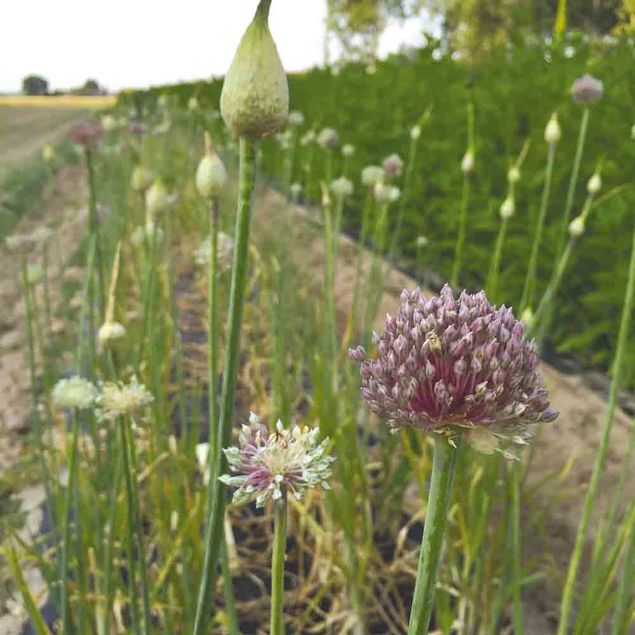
<point>171,276</point>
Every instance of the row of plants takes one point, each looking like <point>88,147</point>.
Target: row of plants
<point>180,512</point>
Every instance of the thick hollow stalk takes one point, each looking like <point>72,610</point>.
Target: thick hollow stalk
<point>528,288</point>
<point>443,467</point>
<point>600,457</point>
<point>66,526</point>
<point>460,239</point>
<point>277,568</point>
<point>214,528</point>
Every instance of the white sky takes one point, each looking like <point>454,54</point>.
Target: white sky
<point>137,43</point>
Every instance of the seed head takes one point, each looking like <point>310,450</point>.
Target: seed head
<point>255,96</point>
<point>86,132</point>
<point>446,366</point>
<point>286,462</point>
<point>552,130</point>
<point>587,89</point>
<point>393,165</point>
<point>74,392</point>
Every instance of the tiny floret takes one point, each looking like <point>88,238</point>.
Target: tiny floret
<point>455,366</point>
<point>587,89</point>
<point>120,399</point>
<point>287,462</point>
<point>74,392</point>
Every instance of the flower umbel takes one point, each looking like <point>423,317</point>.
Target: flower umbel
<point>119,399</point>
<point>446,365</point>
<point>74,392</point>
<point>271,465</point>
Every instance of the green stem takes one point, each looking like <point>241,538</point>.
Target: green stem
<point>214,528</point>
<point>94,227</point>
<point>277,567</point>
<point>492,278</point>
<point>598,466</point>
<point>530,281</point>
<point>443,467</point>
<point>460,239</point>
<point>625,590</point>
<point>66,526</point>
<point>516,553</point>
<point>412,154</point>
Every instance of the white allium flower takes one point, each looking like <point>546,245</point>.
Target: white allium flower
<point>348,150</point>
<point>393,165</point>
<point>415,132</point>
<point>119,399</point>
<point>508,207</point>
<point>422,241</point>
<point>467,163</point>
<point>576,227</point>
<point>109,332</point>
<point>342,187</point>
<point>513,175</point>
<point>386,193</point>
<point>141,179</point>
<point>372,174</point>
<point>74,392</point>
<point>552,131</point>
<point>157,198</point>
<point>295,119</point>
<point>225,251</point>
<point>285,462</point>
<point>108,123</point>
<point>595,184</point>
<point>329,139</point>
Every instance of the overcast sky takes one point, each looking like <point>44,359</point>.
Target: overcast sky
<point>137,43</point>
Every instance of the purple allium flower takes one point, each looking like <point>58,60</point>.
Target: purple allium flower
<point>86,132</point>
<point>273,465</point>
<point>444,365</point>
<point>587,89</point>
<point>393,165</point>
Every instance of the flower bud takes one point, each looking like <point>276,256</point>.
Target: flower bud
<point>109,332</point>
<point>422,241</point>
<point>508,208</point>
<point>527,317</point>
<point>255,97</point>
<point>594,184</point>
<point>211,176</point>
<point>141,179</point>
<point>576,227</point>
<point>415,132</point>
<point>467,163</point>
<point>552,131</point>
<point>192,104</point>
<point>513,175</point>
<point>48,153</point>
<point>157,198</point>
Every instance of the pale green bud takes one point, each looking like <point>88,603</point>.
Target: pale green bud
<point>508,208</point>
<point>211,176</point>
<point>141,179</point>
<point>576,227</point>
<point>595,183</point>
<point>513,175</point>
<point>255,97</point>
<point>467,163</point>
<point>552,131</point>
<point>157,198</point>
<point>48,153</point>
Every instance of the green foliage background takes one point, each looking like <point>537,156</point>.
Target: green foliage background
<point>513,92</point>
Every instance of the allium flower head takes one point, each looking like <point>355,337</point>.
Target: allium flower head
<point>86,132</point>
<point>329,139</point>
<point>295,119</point>
<point>342,187</point>
<point>393,165</point>
<point>74,392</point>
<point>119,399</point>
<point>276,464</point>
<point>587,90</point>
<point>444,365</point>
<point>386,194</point>
<point>372,174</point>
<point>225,251</point>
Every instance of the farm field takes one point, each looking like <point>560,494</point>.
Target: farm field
<point>341,351</point>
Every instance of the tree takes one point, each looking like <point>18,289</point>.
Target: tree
<point>35,85</point>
